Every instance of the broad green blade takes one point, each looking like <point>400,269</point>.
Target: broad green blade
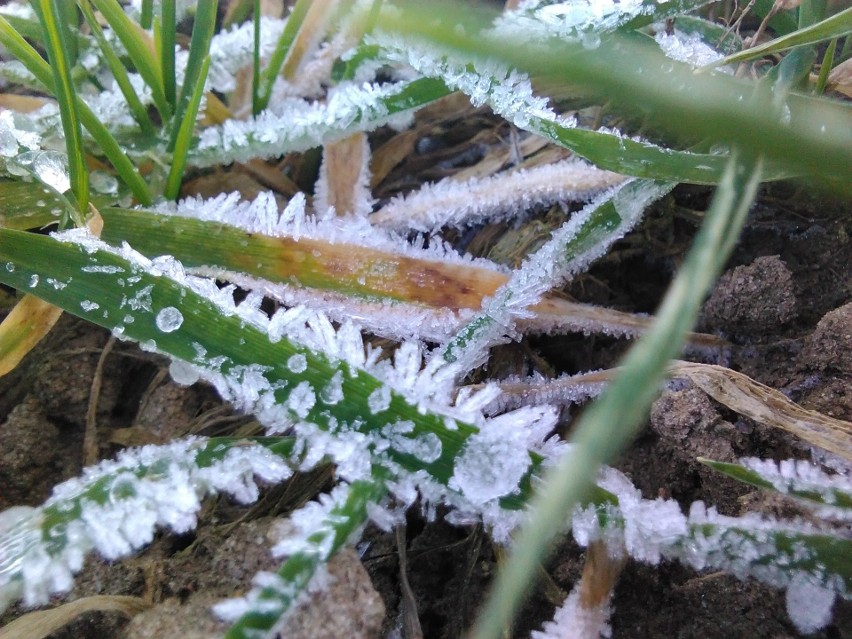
<point>96,284</point>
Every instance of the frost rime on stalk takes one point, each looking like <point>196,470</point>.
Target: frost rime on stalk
<point>115,507</point>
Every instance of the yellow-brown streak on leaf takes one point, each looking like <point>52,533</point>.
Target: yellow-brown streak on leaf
<point>343,162</point>
<point>41,623</point>
<point>23,328</point>
<point>358,270</point>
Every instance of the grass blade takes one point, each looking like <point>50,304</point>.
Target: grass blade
<point>94,274</point>
<point>837,26</point>
<point>816,139</point>
<point>196,69</point>
<point>349,512</point>
<point>184,134</point>
<point>276,60</point>
<point>168,30</point>
<point>611,421</point>
<point>139,50</point>
<point>63,88</point>
<point>36,65</point>
<point>140,113</point>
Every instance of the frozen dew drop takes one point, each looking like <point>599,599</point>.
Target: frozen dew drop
<point>33,281</point>
<point>10,266</point>
<point>183,373</point>
<point>8,143</point>
<point>88,305</point>
<point>591,40</point>
<point>297,363</point>
<point>103,182</point>
<point>169,319</point>
<point>51,168</point>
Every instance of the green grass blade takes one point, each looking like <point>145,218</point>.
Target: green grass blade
<point>347,516</point>
<point>184,134</point>
<point>168,30</point>
<point>66,96</point>
<point>146,15</point>
<point>279,55</point>
<point>137,109</point>
<point>137,48</point>
<point>611,421</point>
<point>825,67</point>
<point>837,26</point>
<point>196,67</point>
<point>255,67</point>
<point>36,65</point>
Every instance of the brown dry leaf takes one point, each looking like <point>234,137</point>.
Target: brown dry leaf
<point>35,625</point>
<point>341,175</point>
<point>769,406</point>
<point>738,392</point>
<point>390,154</point>
<point>840,78</point>
<point>22,103</point>
<point>310,34</point>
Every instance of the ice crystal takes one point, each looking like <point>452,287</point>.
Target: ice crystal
<point>572,619</point>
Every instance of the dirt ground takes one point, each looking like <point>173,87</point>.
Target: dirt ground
<point>784,304</point>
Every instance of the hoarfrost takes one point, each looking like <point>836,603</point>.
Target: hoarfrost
<point>302,399</point>
<point>690,49</point>
<point>809,605</point>
<point>572,619</point>
<point>379,400</point>
<point>88,305</point>
<point>493,198</point>
<point>144,487</point>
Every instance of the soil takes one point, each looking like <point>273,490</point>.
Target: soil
<point>784,304</point>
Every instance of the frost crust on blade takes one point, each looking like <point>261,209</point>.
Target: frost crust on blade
<point>114,508</point>
<point>498,197</point>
